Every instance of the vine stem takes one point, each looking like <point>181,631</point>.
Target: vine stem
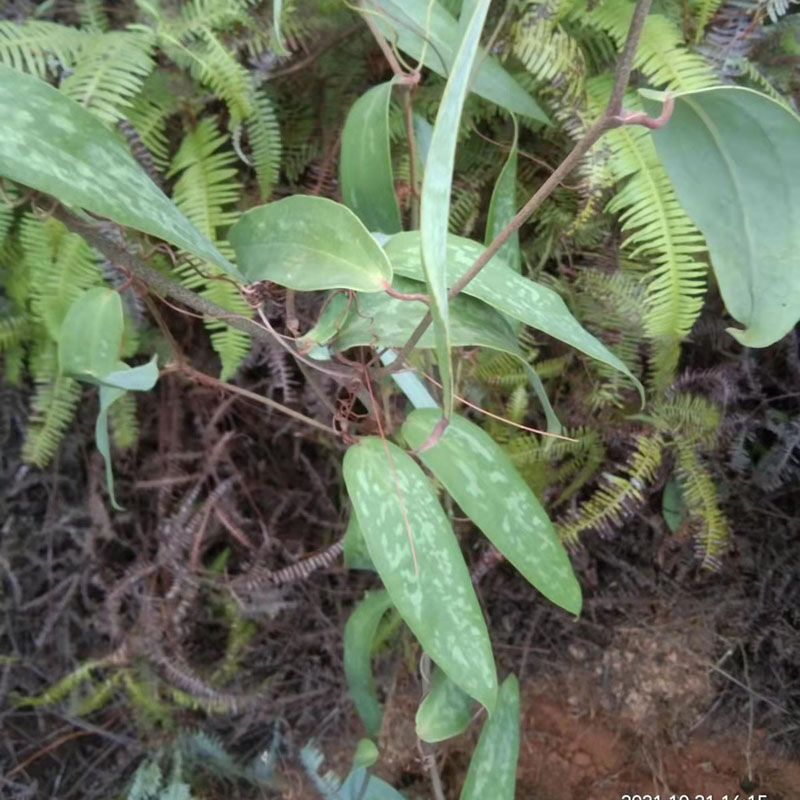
<point>611,117</point>
<point>166,287</point>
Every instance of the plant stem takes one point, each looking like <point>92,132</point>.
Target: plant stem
<point>165,287</point>
<point>609,119</point>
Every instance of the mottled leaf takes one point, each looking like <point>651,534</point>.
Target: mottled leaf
<point>510,293</point>
<point>733,156</point>
<point>365,166</point>
<point>481,478</point>
<point>418,558</point>
<point>52,144</point>
<point>493,767</point>
<point>359,634</point>
<point>503,208</point>
<point>436,187</point>
<point>445,712</point>
<point>673,505</point>
<point>309,243</point>
<point>381,320</point>
<point>425,27</point>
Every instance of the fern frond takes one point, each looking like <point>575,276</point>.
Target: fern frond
<point>110,72</point>
<point>93,16</point>
<point>265,143</point>
<point>620,495</point>
<point>661,54</point>
<point>60,690</point>
<point>702,13</point>
<point>213,65</point>
<point>700,496</point>
<point>13,330</point>
<point>149,113</point>
<point>204,192</point>
<point>206,181</point>
<point>52,411</point>
<point>39,47</point>
<point>659,232</point>
<point>124,421</point>
<point>62,266</point>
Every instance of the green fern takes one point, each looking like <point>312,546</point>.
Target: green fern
<point>265,143</point>
<point>41,48</point>
<point>124,421</point>
<point>93,15</point>
<point>661,55</point>
<point>110,72</point>
<point>53,407</point>
<point>619,496</point>
<point>204,192</point>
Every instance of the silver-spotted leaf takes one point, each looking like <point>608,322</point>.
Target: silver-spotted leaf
<point>384,321</point>
<point>424,28</point>
<point>493,768</point>
<point>365,166</point>
<point>52,144</point>
<point>418,558</point>
<point>309,243</point>
<point>445,712</point>
<point>481,478</point>
<point>359,634</point>
<point>436,188</point>
<point>510,293</point>
<point>733,156</point>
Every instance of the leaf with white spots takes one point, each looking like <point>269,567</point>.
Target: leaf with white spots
<point>380,320</point>
<point>493,768</point>
<point>359,634</point>
<point>445,712</point>
<point>365,166</point>
<point>309,243</point>
<point>510,293</point>
<point>52,144</point>
<point>483,481</point>
<point>418,558</point>
<point>437,184</point>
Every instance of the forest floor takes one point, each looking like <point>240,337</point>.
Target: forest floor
<point>675,680</point>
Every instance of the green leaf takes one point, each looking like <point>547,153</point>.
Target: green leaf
<point>673,505</point>
<point>360,785</point>
<point>493,768</point>
<point>436,187</point>
<point>52,144</point>
<point>359,634</point>
<point>383,321</point>
<point>733,156</point>
<point>309,243</point>
<point>418,558</point>
<point>137,379</point>
<point>277,10</point>
<point>365,166</point>
<point>481,478</point>
<point>366,754</point>
<point>108,396</point>
<point>90,339</point>
<point>445,712</point>
<point>503,207</point>
<point>510,293</point>
<point>425,27</point>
